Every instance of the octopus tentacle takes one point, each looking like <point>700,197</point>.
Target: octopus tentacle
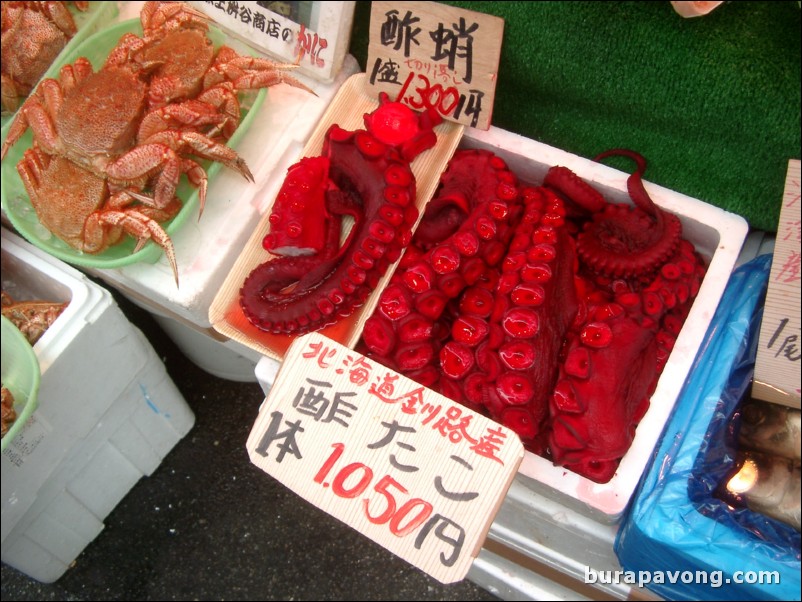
<point>463,232</point>
<point>622,241</point>
<point>364,175</point>
<point>534,304</point>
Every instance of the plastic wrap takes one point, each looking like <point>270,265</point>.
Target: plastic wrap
<point>676,531</point>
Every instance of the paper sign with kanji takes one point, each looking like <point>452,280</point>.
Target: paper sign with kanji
<point>777,373</point>
<point>412,470</point>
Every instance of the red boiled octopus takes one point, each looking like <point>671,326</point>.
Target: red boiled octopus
<point>364,175</point>
<point>546,308</point>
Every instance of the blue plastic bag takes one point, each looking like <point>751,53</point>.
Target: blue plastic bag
<point>677,535</point>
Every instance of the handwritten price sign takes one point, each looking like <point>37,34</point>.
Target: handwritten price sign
<point>313,35</point>
<point>429,55</point>
<point>777,374</point>
<point>417,473</point>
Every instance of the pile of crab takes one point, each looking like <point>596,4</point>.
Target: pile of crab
<point>33,35</point>
<point>546,308</point>
<point>110,146</point>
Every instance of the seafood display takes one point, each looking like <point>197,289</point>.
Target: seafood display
<point>546,308</point>
<point>111,145</point>
<point>360,188</point>
<point>33,34</point>
<point>32,318</point>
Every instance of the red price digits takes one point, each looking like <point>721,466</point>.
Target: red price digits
<point>430,96</point>
<point>402,521</point>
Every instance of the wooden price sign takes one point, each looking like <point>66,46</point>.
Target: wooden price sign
<point>412,470</point>
<point>777,373</point>
<point>427,54</point>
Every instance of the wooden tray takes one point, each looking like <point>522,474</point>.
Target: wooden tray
<point>347,110</point>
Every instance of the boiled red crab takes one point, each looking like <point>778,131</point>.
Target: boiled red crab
<point>111,145</point>
<point>31,317</point>
<point>362,176</point>
<point>546,308</point>
<point>33,34</point>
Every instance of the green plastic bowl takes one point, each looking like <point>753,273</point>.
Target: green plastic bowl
<point>21,376</point>
<point>17,205</point>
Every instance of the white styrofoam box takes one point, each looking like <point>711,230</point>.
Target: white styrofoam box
<point>537,531</point>
<point>717,235</point>
<point>129,441</point>
<point>208,349</point>
<point>108,413</point>
<point>85,355</point>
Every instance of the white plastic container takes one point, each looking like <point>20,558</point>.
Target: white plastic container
<point>716,234</point>
<point>108,414</point>
<point>539,549</point>
<point>555,525</point>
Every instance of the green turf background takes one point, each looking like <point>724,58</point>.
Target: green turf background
<point>712,102</point>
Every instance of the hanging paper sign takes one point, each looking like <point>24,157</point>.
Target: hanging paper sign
<point>412,470</point>
<point>313,35</point>
<point>427,54</point>
<point>777,374</point>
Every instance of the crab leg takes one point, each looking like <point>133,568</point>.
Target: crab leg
<point>137,224</point>
<point>202,146</point>
<point>141,160</point>
<point>248,72</point>
<point>224,99</point>
<point>196,175</point>
<point>191,113</point>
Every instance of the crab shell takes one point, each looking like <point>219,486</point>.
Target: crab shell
<point>34,33</point>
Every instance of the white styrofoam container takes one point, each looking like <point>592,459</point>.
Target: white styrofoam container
<point>108,414</point>
<point>539,549</point>
<point>717,235</point>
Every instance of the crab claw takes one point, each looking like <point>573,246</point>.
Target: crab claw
<point>143,228</point>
